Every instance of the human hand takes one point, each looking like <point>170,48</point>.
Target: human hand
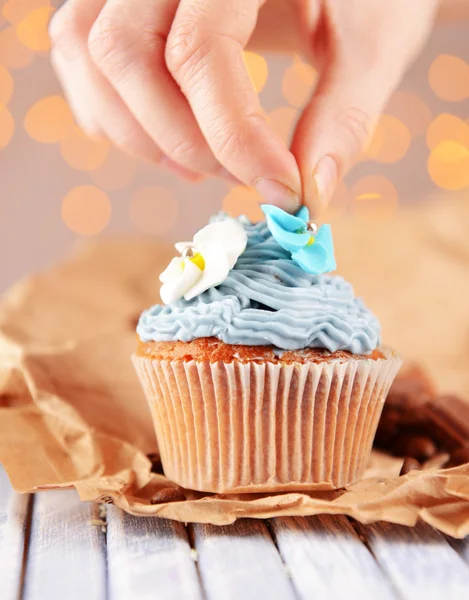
<point>362,49</point>
<point>166,80</point>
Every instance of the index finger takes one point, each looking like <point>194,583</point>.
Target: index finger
<point>204,55</point>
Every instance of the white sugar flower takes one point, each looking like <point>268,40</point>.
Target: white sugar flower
<point>205,262</point>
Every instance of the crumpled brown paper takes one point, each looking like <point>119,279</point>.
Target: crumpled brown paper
<point>72,412</point>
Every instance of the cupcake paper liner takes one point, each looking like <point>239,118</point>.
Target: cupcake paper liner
<point>259,427</point>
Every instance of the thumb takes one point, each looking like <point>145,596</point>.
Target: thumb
<point>366,54</point>
<point>335,127</point>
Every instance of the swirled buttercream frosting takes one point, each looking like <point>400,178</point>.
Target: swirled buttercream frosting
<point>267,299</point>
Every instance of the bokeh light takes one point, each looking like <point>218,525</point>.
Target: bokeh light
<point>449,78</point>
<point>86,210</point>
<point>374,198</point>
<point>448,165</point>
<point>116,172</point>
<point>13,54</point>
<point>390,141</point>
<point>242,200</point>
<point>282,120</point>
<point>82,152</point>
<point>6,85</point>
<point>15,11</point>
<point>154,210</point>
<point>447,127</point>
<point>7,126</point>
<point>411,110</point>
<point>49,121</point>
<point>257,68</point>
<point>298,82</point>
<point>33,29</point>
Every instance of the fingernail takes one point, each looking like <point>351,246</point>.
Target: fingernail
<point>278,194</point>
<point>325,176</point>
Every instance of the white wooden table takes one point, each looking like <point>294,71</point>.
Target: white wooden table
<point>54,547</point>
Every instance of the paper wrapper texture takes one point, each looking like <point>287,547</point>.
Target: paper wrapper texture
<point>72,413</point>
<point>253,428</point>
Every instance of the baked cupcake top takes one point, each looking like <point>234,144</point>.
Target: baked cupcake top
<point>264,295</point>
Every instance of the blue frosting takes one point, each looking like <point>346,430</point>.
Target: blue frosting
<point>314,254</point>
<point>268,299</point>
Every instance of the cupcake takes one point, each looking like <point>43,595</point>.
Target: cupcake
<point>262,371</point>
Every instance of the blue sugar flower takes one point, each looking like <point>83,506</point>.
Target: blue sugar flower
<point>313,253</point>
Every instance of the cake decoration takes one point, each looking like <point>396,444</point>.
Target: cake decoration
<point>203,263</point>
<point>311,248</point>
<point>266,299</point>
<point>273,378</point>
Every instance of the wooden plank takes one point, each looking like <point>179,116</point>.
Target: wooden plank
<point>327,559</point>
<point>67,554</point>
<point>240,561</point>
<point>149,558</point>
<point>419,560</point>
<point>5,495</point>
<point>14,521</point>
<point>461,547</point>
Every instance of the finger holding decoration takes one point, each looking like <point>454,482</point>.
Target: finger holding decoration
<point>204,54</point>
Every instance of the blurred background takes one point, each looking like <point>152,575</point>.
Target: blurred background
<point>57,186</point>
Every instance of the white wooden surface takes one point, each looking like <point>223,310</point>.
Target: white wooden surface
<point>76,551</point>
<point>67,553</point>
<point>461,547</point>
<point>149,559</point>
<point>13,531</point>
<point>240,561</point>
<point>327,559</point>
<point>420,561</point>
